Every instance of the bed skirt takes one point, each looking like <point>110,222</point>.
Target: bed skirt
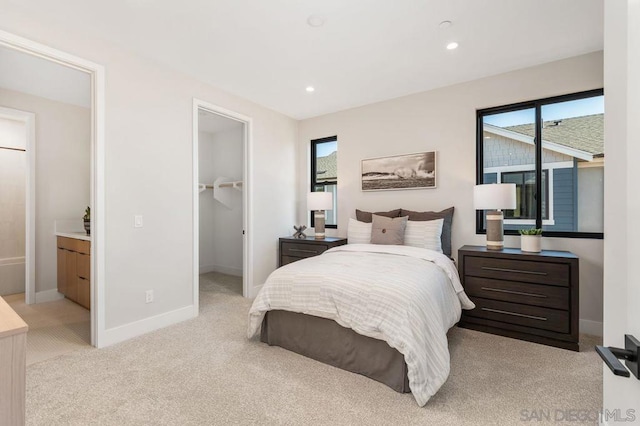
<point>326,341</point>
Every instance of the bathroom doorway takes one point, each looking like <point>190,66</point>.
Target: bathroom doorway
<point>59,98</point>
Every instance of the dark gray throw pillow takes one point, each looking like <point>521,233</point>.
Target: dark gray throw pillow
<point>388,231</point>
<point>365,217</point>
<point>446,214</point>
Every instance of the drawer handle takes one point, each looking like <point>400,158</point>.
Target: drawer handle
<point>302,251</point>
<point>498,311</point>
<point>519,293</point>
<point>518,271</point>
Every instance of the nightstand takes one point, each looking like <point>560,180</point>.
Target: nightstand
<point>527,296</point>
<point>293,249</point>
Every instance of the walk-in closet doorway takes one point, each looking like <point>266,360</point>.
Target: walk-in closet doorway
<point>221,201</point>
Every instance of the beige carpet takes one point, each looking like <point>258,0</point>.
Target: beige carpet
<point>55,328</point>
<point>205,371</point>
<point>212,281</point>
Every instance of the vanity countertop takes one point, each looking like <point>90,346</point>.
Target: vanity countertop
<point>76,235</point>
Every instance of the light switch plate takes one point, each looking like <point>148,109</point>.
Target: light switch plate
<point>137,221</point>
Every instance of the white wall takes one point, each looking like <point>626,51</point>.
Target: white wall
<point>13,165</point>
<point>63,163</point>
<point>221,154</point>
<point>622,204</point>
<point>148,125</point>
<point>444,120</point>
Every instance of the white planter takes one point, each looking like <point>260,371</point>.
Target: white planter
<point>531,243</point>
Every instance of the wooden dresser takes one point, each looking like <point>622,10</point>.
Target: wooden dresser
<point>528,296</point>
<point>293,249</point>
<point>13,365</point>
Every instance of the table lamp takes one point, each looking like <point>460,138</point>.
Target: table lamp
<point>495,197</point>
<point>318,202</point>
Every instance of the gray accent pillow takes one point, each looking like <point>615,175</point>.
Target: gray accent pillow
<point>388,231</point>
<point>365,217</point>
<point>446,214</point>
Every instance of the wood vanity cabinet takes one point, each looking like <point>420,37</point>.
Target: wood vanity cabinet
<point>74,270</point>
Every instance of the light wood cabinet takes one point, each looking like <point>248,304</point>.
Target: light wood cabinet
<point>71,282</point>
<point>62,271</point>
<point>74,270</point>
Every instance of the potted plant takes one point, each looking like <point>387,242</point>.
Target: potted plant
<point>87,220</point>
<point>531,240</point>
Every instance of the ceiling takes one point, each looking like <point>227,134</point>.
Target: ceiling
<point>30,74</point>
<point>367,51</point>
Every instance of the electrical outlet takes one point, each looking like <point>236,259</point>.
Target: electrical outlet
<point>137,221</point>
<point>149,296</point>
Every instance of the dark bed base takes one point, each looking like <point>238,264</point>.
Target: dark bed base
<point>326,341</point>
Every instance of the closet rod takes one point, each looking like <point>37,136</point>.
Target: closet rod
<point>230,184</point>
<point>13,149</point>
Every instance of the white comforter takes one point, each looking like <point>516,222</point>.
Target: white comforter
<point>406,296</point>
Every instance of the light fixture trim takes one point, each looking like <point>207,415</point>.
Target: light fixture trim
<point>316,21</point>
<point>444,24</point>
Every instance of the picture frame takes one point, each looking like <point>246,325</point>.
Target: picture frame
<point>406,171</point>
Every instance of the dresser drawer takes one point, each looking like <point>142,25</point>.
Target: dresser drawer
<point>517,270</point>
<point>518,292</point>
<point>513,313</point>
<point>302,250</point>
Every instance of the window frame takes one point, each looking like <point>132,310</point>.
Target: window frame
<point>537,106</point>
<point>314,144</point>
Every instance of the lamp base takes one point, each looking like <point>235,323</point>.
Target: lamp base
<point>318,222</point>
<point>495,230</point>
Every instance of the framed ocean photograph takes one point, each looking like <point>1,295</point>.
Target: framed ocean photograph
<point>408,171</point>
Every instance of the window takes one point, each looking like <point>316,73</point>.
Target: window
<point>525,194</point>
<point>324,174</point>
<point>553,147</point>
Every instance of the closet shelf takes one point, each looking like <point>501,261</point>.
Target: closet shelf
<point>222,196</point>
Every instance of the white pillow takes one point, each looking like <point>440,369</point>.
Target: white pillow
<point>359,232</point>
<point>424,234</point>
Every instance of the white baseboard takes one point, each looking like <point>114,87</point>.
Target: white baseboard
<point>593,328</point>
<point>229,270</point>
<point>128,331</point>
<point>48,296</point>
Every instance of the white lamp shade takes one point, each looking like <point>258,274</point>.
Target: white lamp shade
<point>319,201</point>
<point>495,196</point>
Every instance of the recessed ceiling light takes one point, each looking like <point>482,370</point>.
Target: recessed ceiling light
<point>452,45</point>
<point>316,21</point>
<point>310,89</point>
<point>445,24</point>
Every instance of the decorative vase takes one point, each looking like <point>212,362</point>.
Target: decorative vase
<point>87,226</point>
<point>531,243</point>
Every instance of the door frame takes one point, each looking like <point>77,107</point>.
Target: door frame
<point>29,121</point>
<point>97,197</point>
<point>247,197</point>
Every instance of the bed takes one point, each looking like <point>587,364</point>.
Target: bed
<point>378,310</point>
